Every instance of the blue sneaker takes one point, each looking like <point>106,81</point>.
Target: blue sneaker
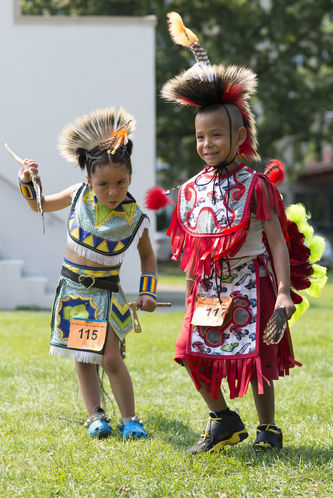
<point>98,425</point>
<point>132,429</point>
<point>99,428</point>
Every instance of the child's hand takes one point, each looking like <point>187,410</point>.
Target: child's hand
<point>25,175</point>
<point>146,303</point>
<point>284,300</point>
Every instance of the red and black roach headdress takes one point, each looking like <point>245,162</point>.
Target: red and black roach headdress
<point>205,84</point>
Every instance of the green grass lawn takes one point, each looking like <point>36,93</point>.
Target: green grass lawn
<point>170,275</point>
<point>45,450</point>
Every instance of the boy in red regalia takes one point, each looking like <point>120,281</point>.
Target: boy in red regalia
<point>230,229</point>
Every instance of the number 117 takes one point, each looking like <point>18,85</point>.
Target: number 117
<point>214,311</point>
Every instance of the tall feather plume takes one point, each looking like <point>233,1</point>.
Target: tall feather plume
<point>204,84</point>
<point>185,37</point>
<point>178,32</point>
<point>89,130</point>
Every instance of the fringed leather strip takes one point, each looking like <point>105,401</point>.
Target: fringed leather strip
<point>246,376</point>
<point>216,375</point>
<point>286,358</point>
<point>260,377</point>
<point>201,251</point>
<point>265,205</point>
<point>237,372</point>
<point>231,378</point>
<point>197,368</point>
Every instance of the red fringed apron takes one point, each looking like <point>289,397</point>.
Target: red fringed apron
<point>208,228</point>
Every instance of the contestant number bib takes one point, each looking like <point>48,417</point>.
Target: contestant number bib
<point>89,335</point>
<point>210,311</point>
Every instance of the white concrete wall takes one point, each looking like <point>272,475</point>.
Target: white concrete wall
<point>52,70</point>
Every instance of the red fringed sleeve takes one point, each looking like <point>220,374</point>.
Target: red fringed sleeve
<point>267,198</point>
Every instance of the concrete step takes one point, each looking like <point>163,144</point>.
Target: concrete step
<point>17,290</point>
<point>11,269</point>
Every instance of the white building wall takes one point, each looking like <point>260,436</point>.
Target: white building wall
<point>53,70</point>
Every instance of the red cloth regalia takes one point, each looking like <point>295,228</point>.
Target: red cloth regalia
<point>217,233</point>
<point>209,228</point>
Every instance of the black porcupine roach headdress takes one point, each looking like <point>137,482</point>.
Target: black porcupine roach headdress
<point>102,129</point>
<point>204,84</point>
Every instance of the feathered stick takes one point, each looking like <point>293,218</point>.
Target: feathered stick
<point>35,181</point>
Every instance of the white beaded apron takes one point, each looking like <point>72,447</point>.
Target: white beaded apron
<point>238,336</point>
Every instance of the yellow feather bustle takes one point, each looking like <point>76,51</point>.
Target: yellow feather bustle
<point>178,31</point>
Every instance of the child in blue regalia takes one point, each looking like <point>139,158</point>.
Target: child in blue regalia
<point>105,222</point>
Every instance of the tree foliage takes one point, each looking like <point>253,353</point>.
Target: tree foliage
<point>287,42</point>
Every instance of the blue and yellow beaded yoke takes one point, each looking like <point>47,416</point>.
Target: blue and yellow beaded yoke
<point>103,235</point>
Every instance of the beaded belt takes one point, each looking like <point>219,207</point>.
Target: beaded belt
<point>88,281</point>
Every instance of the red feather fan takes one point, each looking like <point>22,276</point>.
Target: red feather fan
<point>300,267</point>
<point>297,299</point>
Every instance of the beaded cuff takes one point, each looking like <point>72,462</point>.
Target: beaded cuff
<point>148,285</point>
<point>27,190</point>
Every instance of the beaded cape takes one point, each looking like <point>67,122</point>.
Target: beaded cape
<point>209,224</point>
<point>103,234</point>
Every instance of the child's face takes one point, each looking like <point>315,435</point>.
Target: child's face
<point>213,137</point>
<point>110,184</point>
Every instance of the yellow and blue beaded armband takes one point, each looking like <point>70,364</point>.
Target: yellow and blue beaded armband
<point>148,285</point>
<point>27,190</point>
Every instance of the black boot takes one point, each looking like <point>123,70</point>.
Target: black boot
<point>269,437</point>
<point>227,428</point>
